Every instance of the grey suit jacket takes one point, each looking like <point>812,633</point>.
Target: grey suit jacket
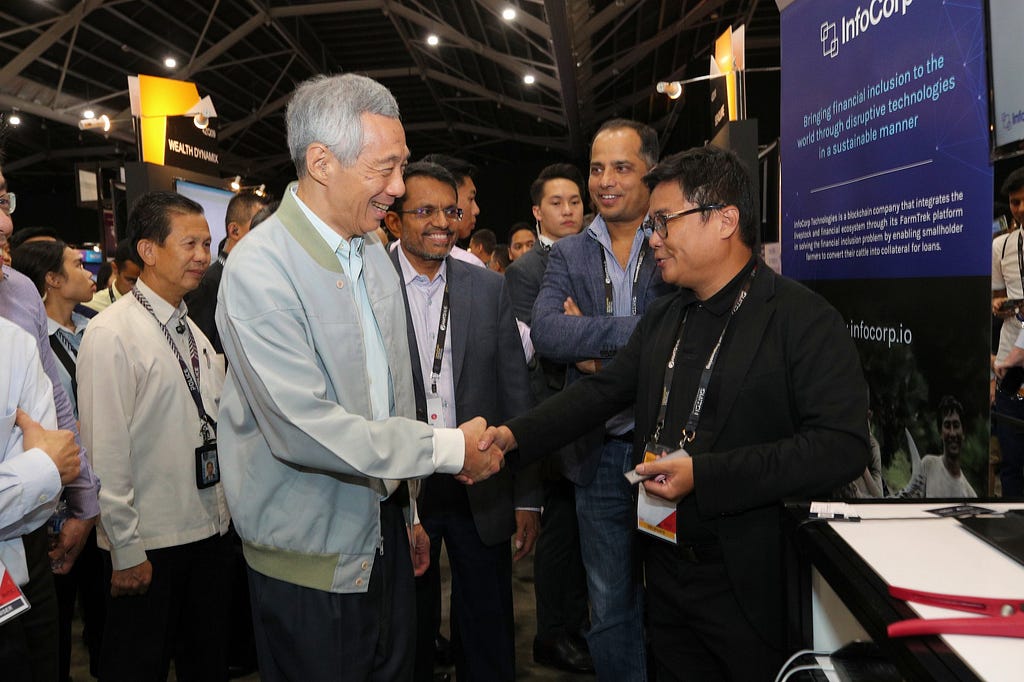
<point>524,277</point>
<point>491,381</point>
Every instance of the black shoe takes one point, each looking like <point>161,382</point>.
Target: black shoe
<point>563,653</point>
<point>443,651</point>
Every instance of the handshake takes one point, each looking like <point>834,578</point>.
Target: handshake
<point>485,450</point>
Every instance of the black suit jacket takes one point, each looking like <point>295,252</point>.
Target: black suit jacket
<point>202,303</point>
<point>790,421</point>
<point>491,381</point>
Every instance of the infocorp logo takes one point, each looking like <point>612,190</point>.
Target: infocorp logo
<point>874,13</point>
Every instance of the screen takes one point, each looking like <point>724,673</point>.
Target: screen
<point>215,205</point>
<point>1007,60</point>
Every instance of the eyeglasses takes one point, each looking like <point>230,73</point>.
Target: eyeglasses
<point>8,202</point>
<point>428,212</point>
<point>659,221</point>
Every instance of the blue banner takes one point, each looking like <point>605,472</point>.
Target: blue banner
<point>884,140</point>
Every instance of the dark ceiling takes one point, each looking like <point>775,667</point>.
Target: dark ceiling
<point>592,60</point>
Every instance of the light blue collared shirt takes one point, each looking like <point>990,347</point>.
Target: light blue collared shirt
<point>350,255</point>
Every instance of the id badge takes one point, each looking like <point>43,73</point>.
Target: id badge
<point>654,515</point>
<point>435,415</point>
<point>207,465</point>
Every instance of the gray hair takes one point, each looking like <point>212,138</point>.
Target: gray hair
<point>327,109</point>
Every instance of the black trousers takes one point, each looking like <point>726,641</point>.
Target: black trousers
<point>307,635</point>
<point>559,579</point>
<point>84,582</point>
<point>696,627</point>
<point>183,615</point>
<point>28,644</point>
<point>482,619</point>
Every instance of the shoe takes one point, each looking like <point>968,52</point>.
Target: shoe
<point>563,653</point>
<point>443,651</point>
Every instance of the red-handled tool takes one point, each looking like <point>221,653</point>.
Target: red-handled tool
<point>1006,616</point>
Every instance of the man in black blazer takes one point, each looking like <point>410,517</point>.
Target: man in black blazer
<point>467,361</point>
<point>781,413</point>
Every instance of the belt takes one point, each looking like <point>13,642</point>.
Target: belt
<point>626,437</point>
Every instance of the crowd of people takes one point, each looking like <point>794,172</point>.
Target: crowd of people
<point>295,430</point>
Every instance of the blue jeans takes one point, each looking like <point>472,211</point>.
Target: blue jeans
<point>607,519</point>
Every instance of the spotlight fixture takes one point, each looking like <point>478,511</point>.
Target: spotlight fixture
<point>88,113</point>
<point>236,184</point>
<point>508,14</point>
<point>201,112</point>
<point>103,122</point>
<point>170,62</point>
<point>672,89</point>
<point>529,79</point>
<point>260,191</point>
<point>14,119</point>
<point>200,121</point>
<point>433,40</point>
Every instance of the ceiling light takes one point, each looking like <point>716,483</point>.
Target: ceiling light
<point>673,89</point>
<point>260,191</point>
<point>88,113</point>
<point>529,79</point>
<point>236,184</point>
<point>508,14</point>
<point>200,121</point>
<point>433,40</point>
<point>95,123</point>
<point>170,62</point>
<point>14,120</point>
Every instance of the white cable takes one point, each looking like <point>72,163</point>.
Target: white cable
<point>802,652</point>
<point>800,669</point>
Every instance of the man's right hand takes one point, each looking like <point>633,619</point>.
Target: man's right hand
<point>60,446</point>
<point>480,462</point>
<point>134,580</point>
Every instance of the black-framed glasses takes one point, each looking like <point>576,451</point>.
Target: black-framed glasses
<point>8,202</point>
<point>428,212</point>
<point>659,221</point>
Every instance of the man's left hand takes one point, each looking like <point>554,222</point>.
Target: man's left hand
<point>673,479</point>
<point>70,542</point>
<point>527,531</point>
<point>419,545</point>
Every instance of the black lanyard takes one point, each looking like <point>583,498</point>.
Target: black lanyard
<point>442,330</point>
<point>690,430</point>
<point>110,293</point>
<point>191,379</point>
<point>609,291</point>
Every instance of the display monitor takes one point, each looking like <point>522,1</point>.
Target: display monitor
<point>1006,61</point>
<point>214,201</point>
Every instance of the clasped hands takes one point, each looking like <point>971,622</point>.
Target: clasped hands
<point>485,450</point>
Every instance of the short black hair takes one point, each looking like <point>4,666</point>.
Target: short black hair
<point>521,225</point>
<point>947,406</point>
<point>36,259</point>
<point>426,169</point>
<point>1014,181</point>
<point>486,239</point>
<point>459,168</point>
<point>709,175</point>
<point>241,207</point>
<point>264,213</point>
<point>552,172</point>
<point>150,218</point>
<point>649,145</point>
<point>123,252</point>
<point>501,253</point>
<point>19,237</point>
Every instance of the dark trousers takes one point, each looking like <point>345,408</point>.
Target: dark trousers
<point>559,581</point>
<point>28,644</point>
<point>307,635</point>
<point>697,629</point>
<point>1011,445</point>
<point>483,636</point>
<point>181,616</point>
<point>83,582</point>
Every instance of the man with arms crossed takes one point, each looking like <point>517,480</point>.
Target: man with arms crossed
<point>596,286</point>
<point>778,418</point>
<point>318,416</point>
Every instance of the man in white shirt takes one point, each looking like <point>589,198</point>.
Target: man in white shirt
<point>149,388</point>
<point>35,461</point>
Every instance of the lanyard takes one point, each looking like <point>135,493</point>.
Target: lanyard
<point>442,331</point>
<point>110,293</point>
<point>609,292</point>
<point>191,378</point>
<point>690,430</point>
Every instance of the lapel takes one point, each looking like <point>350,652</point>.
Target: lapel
<point>460,318</point>
<point>740,351</point>
<point>298,225</point>
<point>594,262</point>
